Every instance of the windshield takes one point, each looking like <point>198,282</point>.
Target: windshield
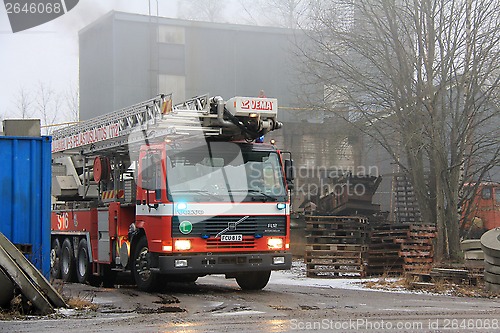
<point>222,171</point>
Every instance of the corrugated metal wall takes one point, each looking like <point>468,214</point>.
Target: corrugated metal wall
<point>25,183</point>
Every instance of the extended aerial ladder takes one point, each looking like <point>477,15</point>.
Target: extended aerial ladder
<point>93,158</point>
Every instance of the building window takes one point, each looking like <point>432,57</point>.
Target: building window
<point>486,193</point>
<point>171,35</point>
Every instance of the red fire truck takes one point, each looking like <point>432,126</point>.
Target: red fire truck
<point>172,192</point>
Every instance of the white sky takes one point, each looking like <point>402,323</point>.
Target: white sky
<point>48,53</point>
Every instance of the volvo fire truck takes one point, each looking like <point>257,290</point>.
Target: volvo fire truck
<point>172,193</point>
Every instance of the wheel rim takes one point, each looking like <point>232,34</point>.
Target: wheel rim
<point>65,261</point>
<point>53,258</point>
<point>82,263</point>
<point>142,264</point>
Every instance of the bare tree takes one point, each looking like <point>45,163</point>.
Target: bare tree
<point>72,101</point>
<point>283,13</point>
<point>204,10</point>
<point>47,106</point>
<point>421,78</point>
<point>23,103</point>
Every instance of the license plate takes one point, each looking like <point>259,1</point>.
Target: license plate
<point>231,238</point>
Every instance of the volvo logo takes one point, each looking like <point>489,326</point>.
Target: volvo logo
<point>231,226</point>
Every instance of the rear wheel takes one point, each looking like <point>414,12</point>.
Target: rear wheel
<point>67,261</point>
<point>83,267</point>
<point>55,259</point>
<point>253,280</point>
<point>143,276</point>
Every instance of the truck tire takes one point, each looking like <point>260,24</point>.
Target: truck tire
<point>143,276</point>
<point>83,266</point>
<point>67,261</point>
<point>55,259</point>
<point>253,280</point>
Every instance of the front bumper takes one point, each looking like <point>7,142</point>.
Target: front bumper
<point>224,263</point>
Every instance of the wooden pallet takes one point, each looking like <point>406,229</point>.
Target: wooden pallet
<point>326,247</point>
<point>413,241</point>
<point>337,235</point>
<point>419,268</point>
<point>341,247</point>
<point>337,219</point>
<point>400,248</point>
<point>329,271</point>
<point>416,247</point>
<point>416,254</point>
<point>390,226</point>
<point>335,261</point>
<point>423,227</point>
<point>329,225</point>
<point>338,246</point>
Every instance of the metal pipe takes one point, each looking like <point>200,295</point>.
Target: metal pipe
<point>220,111</point>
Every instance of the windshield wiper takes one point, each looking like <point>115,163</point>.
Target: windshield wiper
<point>206,193</point>
<point>267,196</point>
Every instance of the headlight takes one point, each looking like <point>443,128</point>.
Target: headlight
<point>182,245</point>
<point>275,243</point>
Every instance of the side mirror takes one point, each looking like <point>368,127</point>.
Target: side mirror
<point>289,173</point>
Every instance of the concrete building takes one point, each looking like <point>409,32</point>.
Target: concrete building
<point>126,58</point>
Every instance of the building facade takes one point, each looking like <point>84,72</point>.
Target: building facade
<point>127,58</point>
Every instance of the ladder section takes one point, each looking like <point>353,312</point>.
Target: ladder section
<point>147,120</point>
<point>156,119</point>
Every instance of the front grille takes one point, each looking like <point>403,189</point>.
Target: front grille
<point>253,225</point>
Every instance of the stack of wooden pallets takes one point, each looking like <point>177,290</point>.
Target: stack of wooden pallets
<point>336,246</point>
<point>384,252</point>
<point>417,248</point>
<point>398,248</point>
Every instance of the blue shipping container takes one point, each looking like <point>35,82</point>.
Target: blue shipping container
<point>25,202</point>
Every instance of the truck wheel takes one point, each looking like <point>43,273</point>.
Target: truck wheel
<point>253,280</point>
<point>67,261</point>
<point>83,267</point>
<point>55,259</point>
<point>143,276</point>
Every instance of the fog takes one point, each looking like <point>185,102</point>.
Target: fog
<point>48,54</point>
